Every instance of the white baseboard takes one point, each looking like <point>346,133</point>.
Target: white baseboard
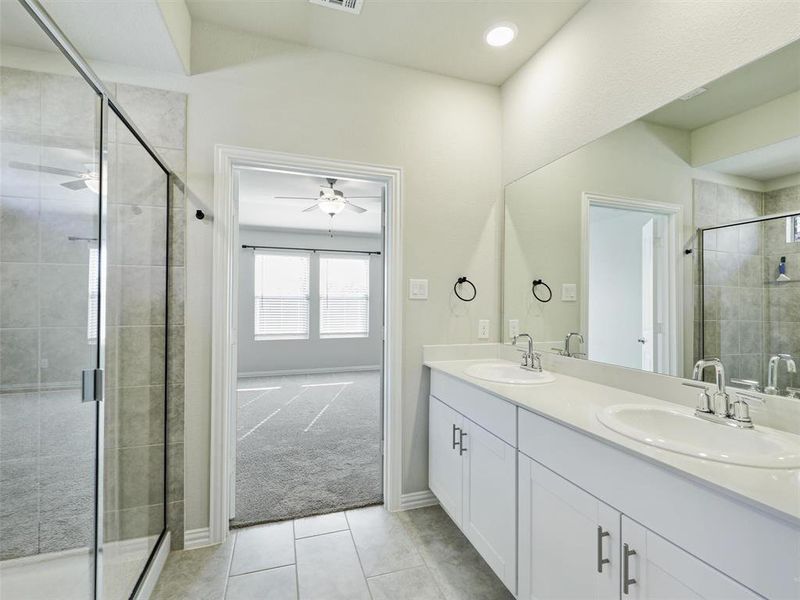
<point>196,538</point>
<point>417,500</point>
<point>154,572</point>
<point>309,371</point>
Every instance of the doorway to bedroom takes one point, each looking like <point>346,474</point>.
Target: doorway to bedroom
<point>309,350</point>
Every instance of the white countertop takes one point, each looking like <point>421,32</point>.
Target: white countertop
<point>574,402</point>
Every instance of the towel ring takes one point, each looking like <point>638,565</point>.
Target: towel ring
<point>535,295</point>
<point>461,280</point>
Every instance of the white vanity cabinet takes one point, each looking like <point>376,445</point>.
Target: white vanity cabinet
<point>573,546</point>
<point>568,540</point>
<point>473,474</point>
<point>657,569</point>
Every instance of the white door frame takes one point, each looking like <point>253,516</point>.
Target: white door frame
<point>223,311</point>
<point>674,214</point>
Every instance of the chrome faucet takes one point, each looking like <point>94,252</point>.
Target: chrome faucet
<point>568,339</point>
<point>719,408</point>
<point>772,371</point>
<point>531,359</point>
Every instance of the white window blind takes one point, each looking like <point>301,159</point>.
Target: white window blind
<point>344,296</point>
<point>793,229</point>
<point>281,296</point>
<point>94,299</point>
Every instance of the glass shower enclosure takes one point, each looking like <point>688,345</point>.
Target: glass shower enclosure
<point>749,297</point>
<point>84,258</point>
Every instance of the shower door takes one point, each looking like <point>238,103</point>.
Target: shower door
<point>50,335</point>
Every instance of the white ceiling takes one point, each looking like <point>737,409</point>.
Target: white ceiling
<point>128,32</point>
<point>259,208</point>
<point>763,164</point>
<point>443,36</point>
<point>771,77</point>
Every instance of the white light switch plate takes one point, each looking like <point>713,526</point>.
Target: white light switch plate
<point>569,292</point>
<point>513,328</point>
<point>417,289</point>
<point>483,329</point>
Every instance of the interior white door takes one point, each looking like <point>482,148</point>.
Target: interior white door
<point>656,569</point>
<point>490,500</point>
<point>444,460</point>
<point>568,540</point>
<point>648,296</point>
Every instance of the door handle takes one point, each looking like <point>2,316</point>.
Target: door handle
<point>600,560</point>
<point>455,442</point>
<point>627,581</point>
<point>461,448</point>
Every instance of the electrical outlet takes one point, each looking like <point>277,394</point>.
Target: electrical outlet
<point>569,292</point>
<point>418,289</point>
<point>483,329</point>
<point>513,328</point>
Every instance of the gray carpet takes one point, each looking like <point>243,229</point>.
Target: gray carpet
<point>310,444</point>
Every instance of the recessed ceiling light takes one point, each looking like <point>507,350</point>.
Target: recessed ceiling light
<point>501,34</point>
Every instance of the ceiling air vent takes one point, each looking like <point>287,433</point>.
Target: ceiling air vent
<point>351,6</point>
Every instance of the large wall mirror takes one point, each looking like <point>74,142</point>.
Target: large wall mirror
<point>673,238</point>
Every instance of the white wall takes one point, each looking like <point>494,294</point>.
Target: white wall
<point>616,61</point>
<point>259,356</point>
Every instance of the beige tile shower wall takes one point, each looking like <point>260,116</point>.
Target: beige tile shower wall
<point>782,298</point>
<point>734,298</point>
<point>161,117</point>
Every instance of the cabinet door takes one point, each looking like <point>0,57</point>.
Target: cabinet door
<point>568,540</point>
<point>489,514</point>
<point>659,570</point>
<point>444,461</point>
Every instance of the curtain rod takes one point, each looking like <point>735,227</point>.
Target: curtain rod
<point>311,249</point>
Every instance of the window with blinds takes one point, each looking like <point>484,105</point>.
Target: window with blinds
<point>94,295</point>
<point>344,296</point>
<point>281,295</point>
<point>793,229</point>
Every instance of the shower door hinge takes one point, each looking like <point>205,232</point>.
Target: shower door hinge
<point>92,385</point>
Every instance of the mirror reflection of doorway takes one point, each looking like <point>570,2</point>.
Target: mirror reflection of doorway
<point>629,315</point>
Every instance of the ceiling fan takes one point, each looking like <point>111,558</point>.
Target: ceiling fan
<point>331,201</point>
<point>89,178</point>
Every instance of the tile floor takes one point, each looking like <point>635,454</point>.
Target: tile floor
<point>367,553</point>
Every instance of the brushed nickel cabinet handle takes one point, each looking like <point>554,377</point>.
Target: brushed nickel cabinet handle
<point>627,581</point>
<point>461,448</point>
<point>600,560</point>
<point>455,442</point>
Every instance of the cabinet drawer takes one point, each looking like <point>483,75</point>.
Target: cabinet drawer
<point>490,412</point>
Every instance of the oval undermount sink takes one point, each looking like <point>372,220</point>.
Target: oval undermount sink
<point>504,372</point>
<point>678,430</point>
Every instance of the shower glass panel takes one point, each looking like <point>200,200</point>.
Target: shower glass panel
<point>751,299</point>
<point>135,359</point>
<point>49,331</point>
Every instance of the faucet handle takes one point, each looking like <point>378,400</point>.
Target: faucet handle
<point>751,384</point>
<point>741,411</point>
<point>703,398</point>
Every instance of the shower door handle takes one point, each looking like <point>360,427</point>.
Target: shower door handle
<point>92,385</point>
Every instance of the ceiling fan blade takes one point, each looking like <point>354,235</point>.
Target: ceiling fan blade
<point>310,208</point>
<point>78,184</point>
<point>44,169</point>
<point>363,197</point>
<point>294,197</point>
<point>354,208</point>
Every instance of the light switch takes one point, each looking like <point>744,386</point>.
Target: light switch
<point>483,329</point>
<point>569,292</point>
<point>418,289</point>
<point>513,328</point>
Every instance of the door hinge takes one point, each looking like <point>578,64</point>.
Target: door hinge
<point>92,385</point>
